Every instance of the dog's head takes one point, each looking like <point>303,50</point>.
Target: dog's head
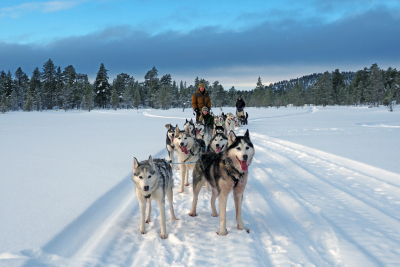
<point>199,128</point>
<point>219,143</point>
<point>144,174</point>
<point>218,130</point>
<point>189,125</point>
<point>170,132</point>
<point>240,150</point>
<point>183,140</point>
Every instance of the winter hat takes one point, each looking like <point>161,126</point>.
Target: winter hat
<point>201,85</point>
<point>204,108</point>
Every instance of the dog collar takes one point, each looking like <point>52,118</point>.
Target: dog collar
<point>148,196</point>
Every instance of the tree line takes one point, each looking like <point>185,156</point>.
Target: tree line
<point>51,88</point>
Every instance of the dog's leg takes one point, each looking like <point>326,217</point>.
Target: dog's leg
<point>222,198</point>
<point>197,184</point>
<point>161,206</point>
<point>238,198</point>
<point>214,196</point>
<point>187,176</point>
<point>148,210</point>
<point>142,205</point>
<point>170,196</point>
<point>183,176</point>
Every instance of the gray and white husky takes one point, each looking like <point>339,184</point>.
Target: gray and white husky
<point>153,179</point>
<point>225,172</point>
<point>218,143</point>
<point>190,125</point>
<point>203,132</point>
<point>170,142</point>
<point>189,150</point>
<point>230,122</point>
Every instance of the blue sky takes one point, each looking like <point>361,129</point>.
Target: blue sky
<point>233,42</point>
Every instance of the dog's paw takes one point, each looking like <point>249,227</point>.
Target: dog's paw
<point>164,236</point>
<point>147,221</point>
<point>143,232</point>
<point>187,184</point>
<point>214,215</point>
<point>192,214</point>
<point>222,232</point>
<point>181,191</point>
<point>243,228</point>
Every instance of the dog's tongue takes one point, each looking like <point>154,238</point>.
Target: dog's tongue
<point>184,149</point>
<point>172,139</point>
<point>243,164</point>
<point>197,132</point>
<point>219,149</point>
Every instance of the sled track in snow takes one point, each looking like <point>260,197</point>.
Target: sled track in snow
<point>304,207</point>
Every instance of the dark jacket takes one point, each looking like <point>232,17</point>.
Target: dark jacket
<point>199,100</point>
<point>240,104</point>
<point>208,120</point>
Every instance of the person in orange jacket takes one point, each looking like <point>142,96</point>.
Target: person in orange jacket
<point>200,99</point>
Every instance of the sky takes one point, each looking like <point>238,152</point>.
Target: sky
<point>234,42</point>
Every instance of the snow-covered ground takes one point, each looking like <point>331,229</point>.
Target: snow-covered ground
<point>323,190</point>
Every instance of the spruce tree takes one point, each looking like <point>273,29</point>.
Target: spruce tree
<point>28,102</point>
<point>49,85</point>
<point>4,105</point>
<point>88,100</point>
<point>102,88</point>
<point>114,99</point>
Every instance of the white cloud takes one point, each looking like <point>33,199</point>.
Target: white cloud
<point>44,7</point>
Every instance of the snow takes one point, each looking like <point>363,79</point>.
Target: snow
<point>323,190</point>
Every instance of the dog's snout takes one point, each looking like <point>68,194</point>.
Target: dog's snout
<point>217,145</point>
<point>245,157</point>
<point>182,144</point>
<point>146,188</point>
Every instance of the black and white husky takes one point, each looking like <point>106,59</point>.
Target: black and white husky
<point>189,150</point>
<point>203,132</point>
<point>225,172</point>
<point>170,142</point>
<point>153,180</point>
<point>219,129</point>
<point>190,125</point>
<point>218,143</point>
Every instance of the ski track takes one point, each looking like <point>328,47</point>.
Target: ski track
<point>304,207</point>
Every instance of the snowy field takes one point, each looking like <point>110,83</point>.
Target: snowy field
<point>323,190</point>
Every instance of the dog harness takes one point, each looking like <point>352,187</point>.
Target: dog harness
<point>235,180</point>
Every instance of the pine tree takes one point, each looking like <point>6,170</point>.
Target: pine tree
<point>114,99</point>
<point>102,88</point>
<point>28,102</point>
<point>375,88</point>
<point>38,101</point>
<point>136,98</point>
<point>4,105</point>
<point>88,99</point>
<point>49,84</point>
<point>337,84</point>
<point>35,81</point>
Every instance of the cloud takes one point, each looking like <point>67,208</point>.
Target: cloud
<point>273,50</point>
<point>44,7</point>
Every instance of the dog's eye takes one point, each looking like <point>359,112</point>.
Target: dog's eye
<point>247,147</point>
<point>149,177</point>
<point>238,148</point>
<point>140,177</point>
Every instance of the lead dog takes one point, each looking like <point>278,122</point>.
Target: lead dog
<point>225,172</point>
<point>153,179</point>
<point>189,150</point>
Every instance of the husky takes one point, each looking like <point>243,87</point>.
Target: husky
<point>190,125</point>
<point>219,129</point>
<point>225,172</point>
<point>218,143</point>
<point>243,119</point>
<point>203,132</point>
<point>153,179</point>
<point>189,150</point>
<point>170,142</point>
<point>230,122</point>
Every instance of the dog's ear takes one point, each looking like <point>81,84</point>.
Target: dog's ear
<point>186,120</point>
<point>187,131</point>
<point>247,134</point>
<point>168,126</point>
<point>214,131</point>
<point>231,138</point>
<point>176,126</point>
<point>150,162</point>
<point>191,120</point>
<point>176,131</point>
<point>135,164</point>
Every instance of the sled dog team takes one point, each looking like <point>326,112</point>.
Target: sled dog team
<point>219,160</point>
